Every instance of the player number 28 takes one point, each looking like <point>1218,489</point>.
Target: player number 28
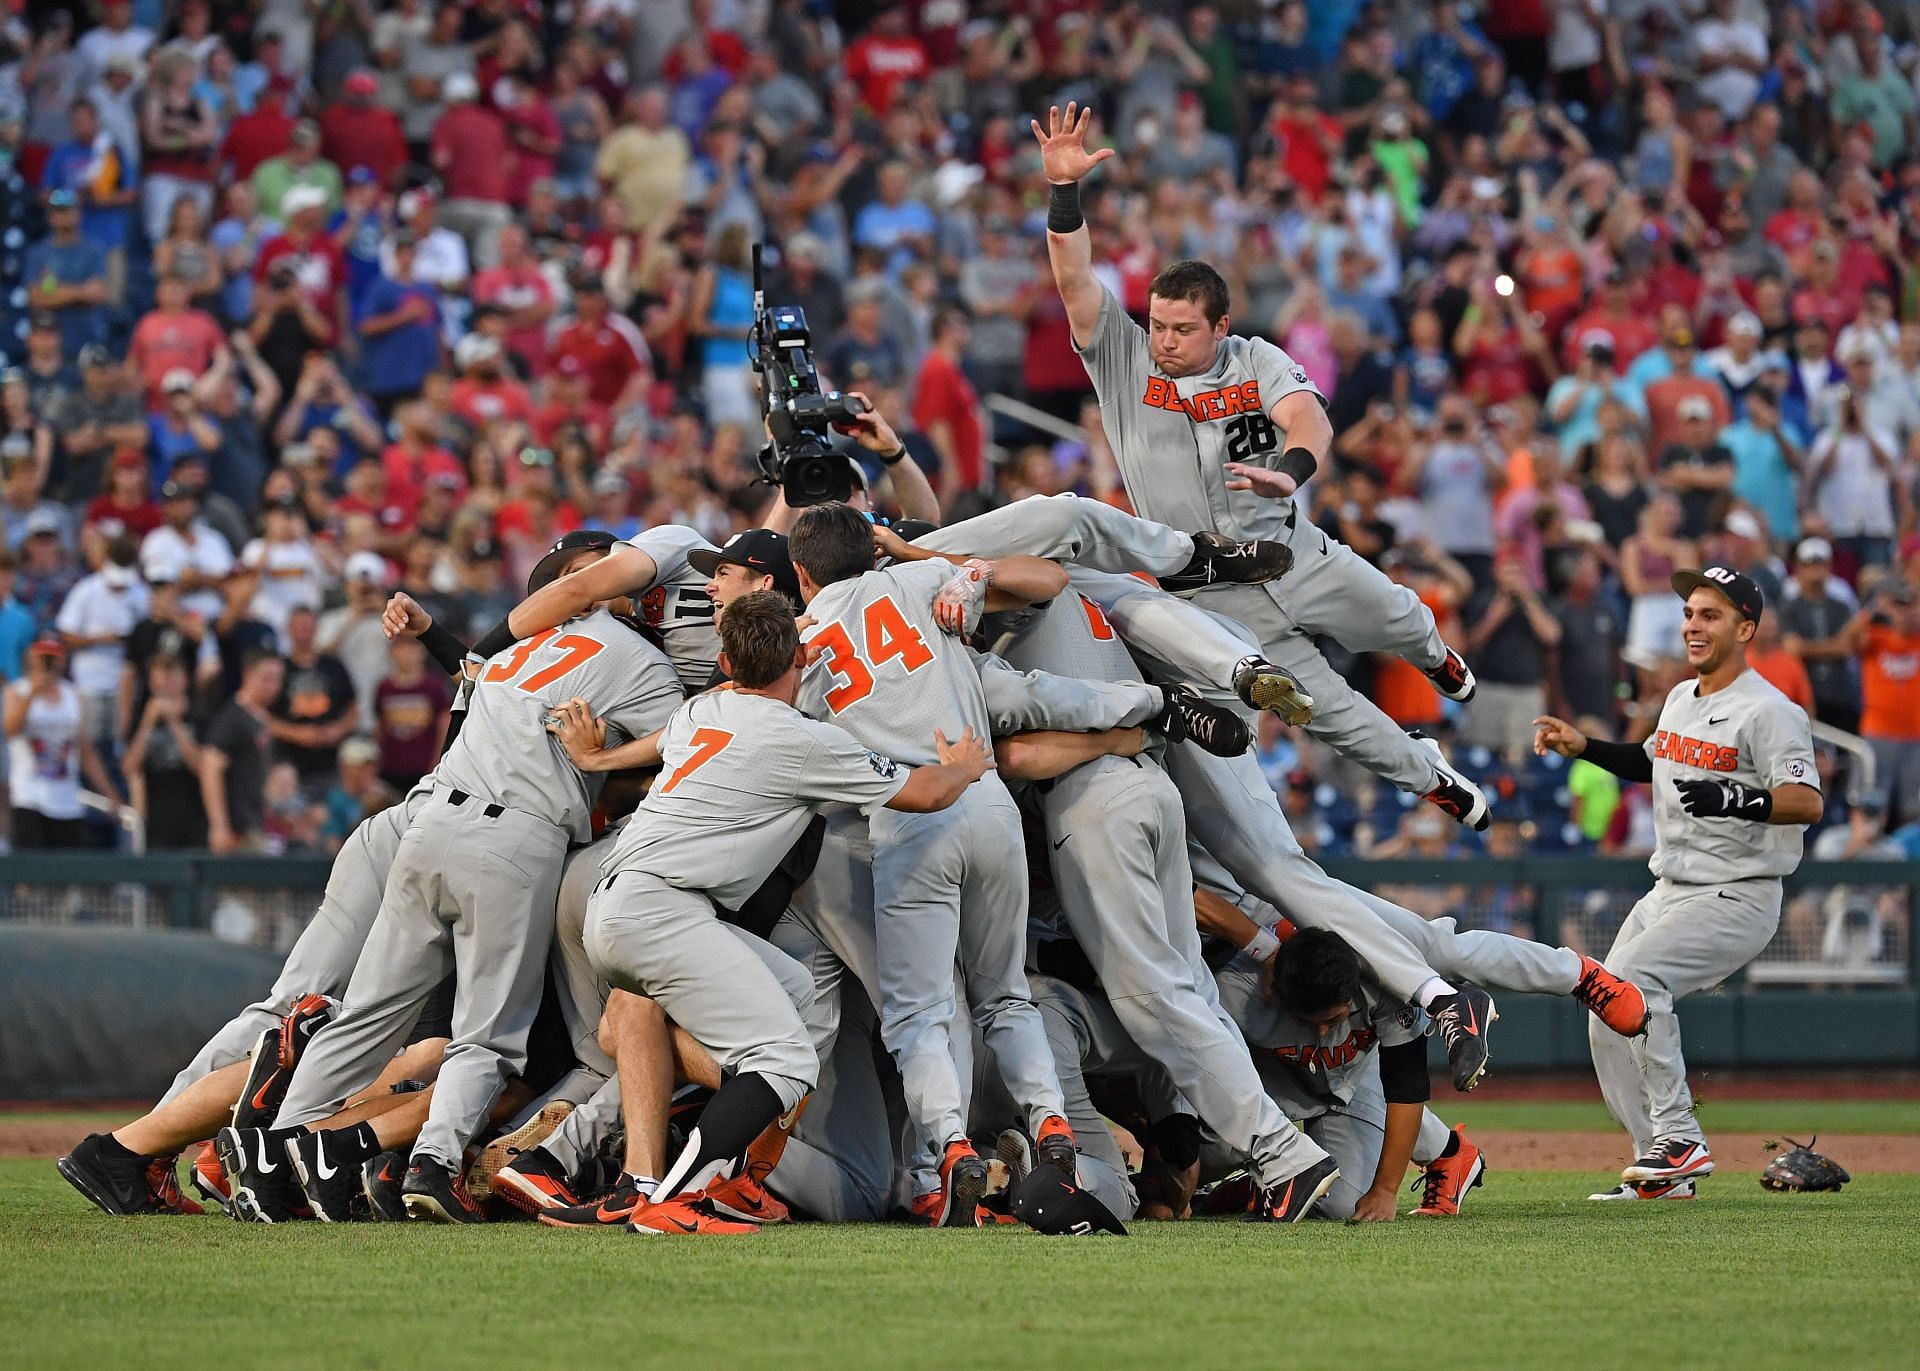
<point>575,649</point>
<point>1250,435</point>
<point>888,636</point>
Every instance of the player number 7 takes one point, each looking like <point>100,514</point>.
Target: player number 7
<point>707,743</point>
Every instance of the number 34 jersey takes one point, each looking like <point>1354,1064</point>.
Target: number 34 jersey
<point>504,754</point>
<point>740,777</point>
<point>884,670</point>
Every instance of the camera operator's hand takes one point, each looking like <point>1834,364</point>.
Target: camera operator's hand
<point>870,430</point>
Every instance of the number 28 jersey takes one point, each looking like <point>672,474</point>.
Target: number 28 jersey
<point>504,754</point>
<point>885,672</point>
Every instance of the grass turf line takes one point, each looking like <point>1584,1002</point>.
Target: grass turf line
<point>1532,1276</point>
<point>1800,1118</point>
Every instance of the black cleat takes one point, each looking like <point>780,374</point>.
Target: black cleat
<point>118,1185</point>
<point>1294,1198</point>
<point>380,1179</point>
<point>966,1187</point>
<point>330,1181</point>
<point>1055,1148</point>
<point>1453,678</point>
<point>437,1195</point>
<point>1014,1151</point>
<point>263,1188</point>
<point>1189,718</point>
<point>277,1052</point>
<point>1463,1019</point>
<point>1262,685</point>
<point>533,1181</point>
<point>1453,794</point>
<point>1219,560</point>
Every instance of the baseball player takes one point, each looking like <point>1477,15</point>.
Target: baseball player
<point>1734,785</point>
<point>744,772</point>
<point>1217,432</point>
<point>472,889</point>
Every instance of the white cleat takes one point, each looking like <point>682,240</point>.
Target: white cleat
<point>1653,1190</point>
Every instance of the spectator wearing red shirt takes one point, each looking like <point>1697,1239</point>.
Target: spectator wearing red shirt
<point>724,48</point>
<point>947,408</point>
<point>610,350</point>
<point>415,458</point>
<point>485,393</point>
<point>1823,295</point>
<point>126,505</point>
<point>536,515</point>
<point>367,493</point>
<point>885,58</point>
<point>318,265</point>
<point>410,716</point>
<point>264,131</point>
<point>568,403</point>
<point>469,149</point>
<point>1793,227</point>
<point>173,334</point>
<point>1309,139</point>
<point>1611,321</point>
<point>533,134</point>
<point>521,292</point>
<point>356,132</point>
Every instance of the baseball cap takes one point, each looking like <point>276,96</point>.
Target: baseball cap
<point>357,751</point>
<point>1048,1203</point>
<point>547,569</point>
<point>757,549</point>
<point>1743,525</point>
<point>15,447</point>
<point>300,199</point>
<point>1746,322</point>
<point>43,521</point>
<point>47,322</point>
<point>128,459</point>
<point>63,199</point>
<point>1740,589</point>
<point>178,490</point>
<point>176,379</point>
<point>362,176</point>
<point>95,355</point>
<point>362,82</point>
<point>46,647</point>
<point>367,566</point>
<point>459,86</point>
<point>609,482</point>
<point>1813,550</point>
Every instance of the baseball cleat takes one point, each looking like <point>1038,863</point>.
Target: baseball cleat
<point>1651,1190</point>
<point>118,1185</point>
<point>612,1210</point>
<point>1055,1147</point>
<point>266,1084</point>
<point>747,1200</point>
<point>1453,794</point>
<point>1463,1019</point>
<point>1444,1185</point>
<point>1014,1151</point>
<point>1189,718</point>
<point>210,1179</point>
<point>330,1183</point>
<point>1262,685</point>
<point>260,1179</point>
<point>1219,560</point>
<point>434,1193</point>
<point>380,1179</point>
<point>963,1183</point>
<point>1453,678</point>
<point>685,1216</point>
<point>1677,1159</point>
<point>1615,1002</point>
<point>163,1183</point>
<point>534,1181</point>
<point>502,1150</point>
<point>1294,1198</point>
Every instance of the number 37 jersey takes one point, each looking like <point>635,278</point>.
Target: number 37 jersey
<point>885,672</point>
<point>504,754</point>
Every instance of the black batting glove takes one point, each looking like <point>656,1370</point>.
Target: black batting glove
<point>1725,800</point>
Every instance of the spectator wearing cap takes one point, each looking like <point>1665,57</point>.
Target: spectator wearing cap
<point>234,757</point>
<point>424,66</point>
<point>537,512</point>
<point>356,132</point>
<point>292,575</point>
<point>1853,473</point>
<point>169,630</point>
<point>360,227</point>
<point>352,632</point>
<point>187,549</point>
<point>24,510</point>
<point>894,222</point>
<point>48,754</point>
<point>516,286</point>
<point>102,177</point>
<point>440,254</point>
<point>162,762</point>
<point>302,257</point>
<point>468,149</point>
<point>1573,402</point>
<point>1677,363</point>
<point>398,320</point>
<point>93,622</point>
<point>1742,544</point>
<point>611,351</point>
<point>612,504</point>
<point>18,419</point>
<point>103,417</point>
<point>1889,405</point>
<point>17,628</point>
<point>357,792</point>
<point>115,38</point>
<point>862,352</point>
<point>173,337</point>
<point>1611,321</point>
<point>126,506</point>
<point>179,428</point>
<point>239,394</point>
<point>486,392</point>
<point>223,515</point>
<point>569,406</point>
<point>116,93</point>
<point>1741,361</point>
<point>66,276</point>
<point>299,168</point>
<point>1814,619</point>
<point>644,162</point>
<point>178,137</point>
<point>50,376</point>
<point>48,569</point>
<point>415,458</point>
<point>316,708</point>
<point>1767,460</point>
<point>1696,467</point>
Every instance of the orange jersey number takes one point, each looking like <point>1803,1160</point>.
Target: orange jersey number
<point>708,743</point>
<point>575,650</point>
<point>889,637</point>
<point>1097,620</point>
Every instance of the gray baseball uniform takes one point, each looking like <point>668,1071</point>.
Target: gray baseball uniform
<point>675,603</point>
<point>1119,857</point>
<point>474,881</point>
<point>1716,901</point>
<point>322,959</point>
<point>945,884</point>
<point>1172,438</point>
<point>1068,529</point>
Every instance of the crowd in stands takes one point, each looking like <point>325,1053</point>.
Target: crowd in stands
<point>306,301</point>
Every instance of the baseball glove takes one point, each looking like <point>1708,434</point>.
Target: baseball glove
<point>1803,1169</point>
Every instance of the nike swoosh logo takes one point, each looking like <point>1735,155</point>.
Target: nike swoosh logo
<point>1062,843</point>
<point>266,1167</point>
<point>607,1215</point>
<point>260,1095</point>
<point>327,1173</point>
<point>1721,720</point>
<point>684,1226</point>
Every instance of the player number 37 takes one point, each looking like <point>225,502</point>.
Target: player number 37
<point>886,635</point>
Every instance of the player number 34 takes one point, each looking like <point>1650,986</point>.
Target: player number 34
<point>887,637</point>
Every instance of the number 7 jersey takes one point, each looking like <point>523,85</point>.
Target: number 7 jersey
<point>504,754</point>
<point>885,672</point>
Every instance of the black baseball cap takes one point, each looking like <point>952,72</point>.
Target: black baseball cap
<point>1742,592</point>
<point>547,569</point>
<point>913,530</point>
<point>757,549</point>
<point>1051,1203</point>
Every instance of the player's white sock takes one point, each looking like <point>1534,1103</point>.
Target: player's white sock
<point>644,1184</point>
<point>1432,990</point>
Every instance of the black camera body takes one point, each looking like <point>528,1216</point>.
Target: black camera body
<point>800,459</point>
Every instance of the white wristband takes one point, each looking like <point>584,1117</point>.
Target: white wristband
<point>1262,946</point>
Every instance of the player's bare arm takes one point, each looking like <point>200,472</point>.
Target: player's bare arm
<point>1380,1202</point>
<point>624,571</point>
<point>1043,754</point>
<point>912,492</point>
<point>931,788</point>
<point>1706,798</point>
<point>585,739</point>
<point>1065,160</point>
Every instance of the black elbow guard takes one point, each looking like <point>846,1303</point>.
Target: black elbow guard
<point>1403,1073</point>
<point>1298,463</point>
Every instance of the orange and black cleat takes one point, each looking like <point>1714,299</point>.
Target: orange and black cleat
<point>685,1217</point>
<point>533,1182</point>
<point>963,1184</point>
<point>747,1200</point>
<point>612,1210</point>
<point>1054,1143</point>
<point>1446,1181</point>
<point>1615,1002</point>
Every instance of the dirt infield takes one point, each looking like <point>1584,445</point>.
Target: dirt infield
<point>1860,1153</point>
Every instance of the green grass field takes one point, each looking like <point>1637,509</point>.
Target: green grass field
<point>1800,1118</point>
<point>1532,1275</point>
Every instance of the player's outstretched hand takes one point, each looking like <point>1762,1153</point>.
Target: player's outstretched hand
<point>1063,144</point>
<point>1557,735</point>
<point>968,753</point>
<point>1275,485</point>
<point>403,617</point>
<point>579,732</point>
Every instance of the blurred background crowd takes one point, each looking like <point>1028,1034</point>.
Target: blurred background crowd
<point>308,300</point>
